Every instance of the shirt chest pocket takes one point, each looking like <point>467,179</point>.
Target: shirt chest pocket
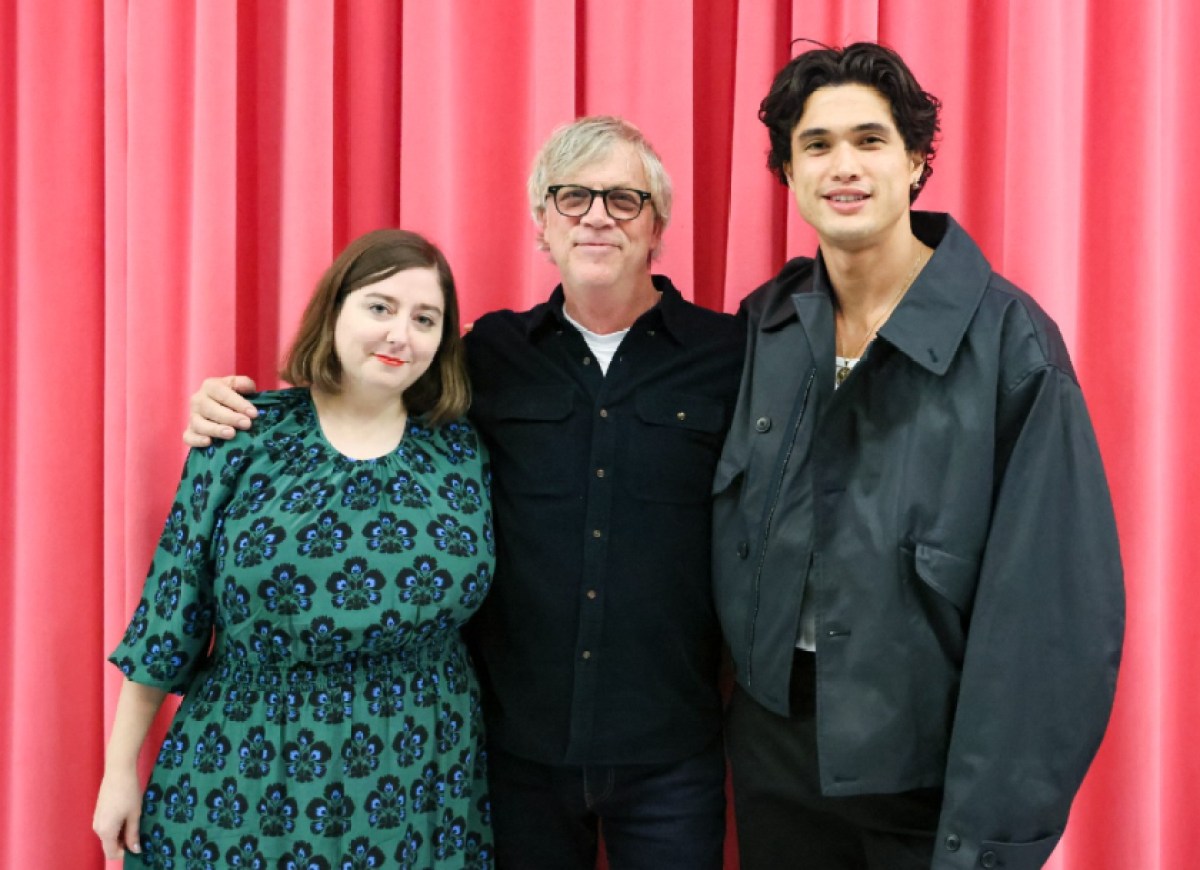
<point>672,445</point>
<point>531,440</point>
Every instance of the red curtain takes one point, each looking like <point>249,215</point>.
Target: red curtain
<point>175,175</point>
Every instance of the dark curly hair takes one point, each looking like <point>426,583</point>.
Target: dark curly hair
<point>863,63</point>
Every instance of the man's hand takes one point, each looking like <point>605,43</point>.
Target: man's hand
<point>218,410</point>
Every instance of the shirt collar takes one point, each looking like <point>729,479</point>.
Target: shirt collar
<point>929,323</point>
<point>669,314</point>
<point>931,319</point>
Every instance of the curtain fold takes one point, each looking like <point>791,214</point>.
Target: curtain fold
<point>174,177</point>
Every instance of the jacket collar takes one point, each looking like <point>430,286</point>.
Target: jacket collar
<point>669,314</point>
<point>929,323</point>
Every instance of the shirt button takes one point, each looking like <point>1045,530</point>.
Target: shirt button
<point>681,416</point>
<point>591,594</point>
<point>763,424</point>
<point>987,859</point>
<point>604,412</point>
<point>587,360</point>
<point>649,332</point>
<point>587,654</point>
<point>952,842</point>
<point>743,549</point>
<point>595,533</point>
<point>599,472</point>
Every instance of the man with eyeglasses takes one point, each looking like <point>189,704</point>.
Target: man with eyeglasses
<point>605,409</point>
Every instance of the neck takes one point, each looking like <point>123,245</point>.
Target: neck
<point>865,280</point>
<point>604,310</point>
<point>361,425</point>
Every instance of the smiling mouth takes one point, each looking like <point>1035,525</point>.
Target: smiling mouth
<point>847,197</point>
<point>389,360</point>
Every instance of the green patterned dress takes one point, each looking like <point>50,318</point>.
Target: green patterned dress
<point>335,720</point>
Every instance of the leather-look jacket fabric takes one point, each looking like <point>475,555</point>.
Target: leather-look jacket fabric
<point>947,511</point>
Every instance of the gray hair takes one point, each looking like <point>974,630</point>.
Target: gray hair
<point>588,140</point>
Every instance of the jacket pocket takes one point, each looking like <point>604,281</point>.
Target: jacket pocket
<point>671,447</point>
<point>529,439</point>
<point>952,577</point>
<point>1018,856</point>
<point>943,589</point>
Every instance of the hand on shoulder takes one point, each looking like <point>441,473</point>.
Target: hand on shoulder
<point>219,410</point>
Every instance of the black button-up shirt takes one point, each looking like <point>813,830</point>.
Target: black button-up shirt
<point>598,643</point>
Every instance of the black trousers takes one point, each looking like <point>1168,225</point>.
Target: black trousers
<point>783,820</point>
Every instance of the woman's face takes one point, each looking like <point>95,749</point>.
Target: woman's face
<point>387,333</point>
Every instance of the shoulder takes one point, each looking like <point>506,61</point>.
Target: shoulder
<point>768,296</point>
<point>499,338</point>
<point>278,406</point>
<point>708,322</point>
<point>282,414</point>
<point>456,443</point>
<point>505,324</point>
<point>1028,337</point>
<point>690,323</point>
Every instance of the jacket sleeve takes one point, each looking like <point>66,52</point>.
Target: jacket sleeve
<point>1044,639</point>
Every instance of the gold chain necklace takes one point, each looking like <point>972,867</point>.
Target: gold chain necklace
<point>843,369</point>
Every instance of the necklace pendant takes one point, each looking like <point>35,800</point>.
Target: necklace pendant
<point>843,372</point>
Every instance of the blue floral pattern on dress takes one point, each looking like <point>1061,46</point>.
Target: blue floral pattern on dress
<point>308,606</point>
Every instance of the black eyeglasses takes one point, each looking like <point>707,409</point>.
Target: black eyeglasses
<point>621,203</point>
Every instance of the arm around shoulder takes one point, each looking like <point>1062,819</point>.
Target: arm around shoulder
<point>219,410</point>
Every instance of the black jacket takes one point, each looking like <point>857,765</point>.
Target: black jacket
<point>949,509</point>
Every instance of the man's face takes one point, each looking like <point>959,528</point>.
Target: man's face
<point>593,250</point>
<point>849,171</point>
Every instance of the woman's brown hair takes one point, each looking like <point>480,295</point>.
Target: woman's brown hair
<point>443,393</point>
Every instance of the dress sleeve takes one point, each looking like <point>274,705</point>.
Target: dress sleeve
<point>1044,640</point>
<point>171,629</point>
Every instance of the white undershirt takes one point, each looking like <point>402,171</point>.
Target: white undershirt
<point>603,347</point>
<point>808,619</point>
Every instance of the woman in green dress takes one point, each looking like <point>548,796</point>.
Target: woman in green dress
<point>306,599</point>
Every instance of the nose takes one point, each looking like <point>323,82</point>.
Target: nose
<point>845,161</point>
<point>397,331</point>
<point>597,213</point>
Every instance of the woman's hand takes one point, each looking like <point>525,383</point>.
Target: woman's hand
<point>118,808</point>
<point>119,804</point>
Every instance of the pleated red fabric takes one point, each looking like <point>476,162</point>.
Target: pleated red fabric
<point>175,176</point>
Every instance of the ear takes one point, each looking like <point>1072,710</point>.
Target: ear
<point>539,236</point>
<point>787,176</point>
<point>656,239</point>
<point>918,164</point>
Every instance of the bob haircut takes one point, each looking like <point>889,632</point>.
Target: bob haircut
<point>443,393</point>
<point>863,63</point>
<point>588,140</point>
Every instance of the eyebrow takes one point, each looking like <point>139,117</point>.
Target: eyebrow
<point>868,127</point>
